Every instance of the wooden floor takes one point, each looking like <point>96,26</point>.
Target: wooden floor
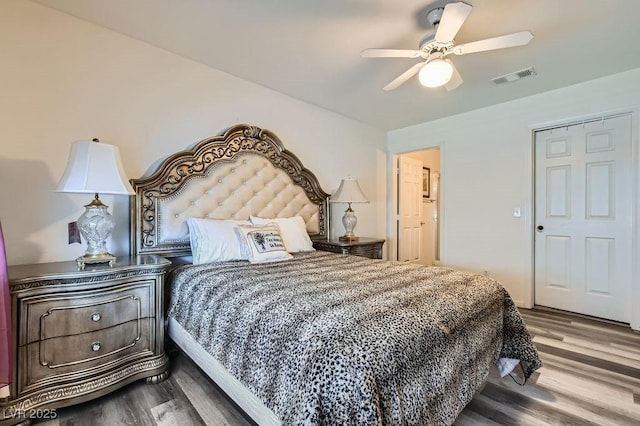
<point>591,376</point>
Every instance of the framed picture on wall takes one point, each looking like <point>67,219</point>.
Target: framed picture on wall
<point>426,182</point>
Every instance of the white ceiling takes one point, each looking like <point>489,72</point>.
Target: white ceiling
<point>310,49</point>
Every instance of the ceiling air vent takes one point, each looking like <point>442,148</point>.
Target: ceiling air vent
<point>514,76</point>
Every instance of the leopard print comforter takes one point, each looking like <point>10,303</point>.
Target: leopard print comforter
<point>329,339</point>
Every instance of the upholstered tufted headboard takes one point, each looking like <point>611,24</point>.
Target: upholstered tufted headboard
<point>245,171</point>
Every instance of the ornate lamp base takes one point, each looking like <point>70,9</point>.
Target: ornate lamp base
<point>96,258</point>
<point>349,221</point>
<point>96,225</point>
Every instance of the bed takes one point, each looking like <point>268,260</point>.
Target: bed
<point>296,336</point>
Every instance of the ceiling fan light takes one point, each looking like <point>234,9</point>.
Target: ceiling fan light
<point>435,73</point>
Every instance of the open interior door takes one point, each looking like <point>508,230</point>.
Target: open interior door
<point>409,209</point>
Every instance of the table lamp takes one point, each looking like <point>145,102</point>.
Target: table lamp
<point>349,192</point>
<point>95,168</point>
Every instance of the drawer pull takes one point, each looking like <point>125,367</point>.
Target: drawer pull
<point>95,317</point>
<point>95,346</point>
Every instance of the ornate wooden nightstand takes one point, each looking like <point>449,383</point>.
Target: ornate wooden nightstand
<point>78,335</point>
<point>366,247</point>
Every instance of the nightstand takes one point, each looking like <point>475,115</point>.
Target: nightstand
<point>366,247</point>
<point>79,334</point>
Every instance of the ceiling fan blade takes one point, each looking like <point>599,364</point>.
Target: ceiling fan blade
<point>456,78</point>
<point>509,40</point>
<point>390,53</point>
<point>404,76</point>
<point>452,19</point>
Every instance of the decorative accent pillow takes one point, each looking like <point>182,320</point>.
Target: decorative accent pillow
<point>293,230</point>
<point>263,243</point>
<point>215,240</point>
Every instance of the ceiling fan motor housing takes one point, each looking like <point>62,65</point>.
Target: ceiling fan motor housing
<point>429,45</point>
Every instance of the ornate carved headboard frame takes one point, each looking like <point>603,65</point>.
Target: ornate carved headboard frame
<point>209,160</point>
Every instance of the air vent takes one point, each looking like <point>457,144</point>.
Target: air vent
<point>514,76</point>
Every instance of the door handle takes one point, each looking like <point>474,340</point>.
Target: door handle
<point>540,227</point>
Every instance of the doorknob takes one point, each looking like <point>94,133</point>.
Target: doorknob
<point>540,227</point>
<point>422,223</point>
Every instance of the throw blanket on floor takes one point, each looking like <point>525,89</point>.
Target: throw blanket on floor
<point>334,340</point>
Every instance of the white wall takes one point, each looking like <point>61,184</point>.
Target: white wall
<point>65,79</point>
<point>486,169</point>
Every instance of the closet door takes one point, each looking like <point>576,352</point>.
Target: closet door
<point>583,218</point>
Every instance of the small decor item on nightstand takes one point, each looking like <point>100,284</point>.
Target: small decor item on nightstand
<point>95,168</point>
<point>349,192</point>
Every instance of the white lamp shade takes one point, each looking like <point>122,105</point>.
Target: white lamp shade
<point>435,73</point>
<point>349,191</point>
<point>94,167</point>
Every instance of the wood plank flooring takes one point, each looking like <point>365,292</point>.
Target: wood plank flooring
<point>591,376</point>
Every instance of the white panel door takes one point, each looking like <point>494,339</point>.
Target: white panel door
<point>427,255</point>
<point>583,218</point>
<point>409,209</point>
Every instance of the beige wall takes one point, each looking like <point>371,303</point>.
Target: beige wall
<point>65,79</point>
<point>486,167</point>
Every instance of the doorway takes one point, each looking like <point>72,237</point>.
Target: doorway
<point>584,218</point>
<point>418,210</point>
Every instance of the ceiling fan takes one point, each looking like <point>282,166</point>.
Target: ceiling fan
<point>437,70</point>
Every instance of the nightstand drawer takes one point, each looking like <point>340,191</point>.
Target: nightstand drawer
<point>373,251</point>
<point>67,314</point>
<point>74,354</point>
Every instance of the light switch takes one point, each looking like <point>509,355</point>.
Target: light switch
<point>517,212</point>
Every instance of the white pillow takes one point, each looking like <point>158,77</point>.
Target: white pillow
<point>293,230</point>
<point>215,240</point>
<point>263,243</point>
